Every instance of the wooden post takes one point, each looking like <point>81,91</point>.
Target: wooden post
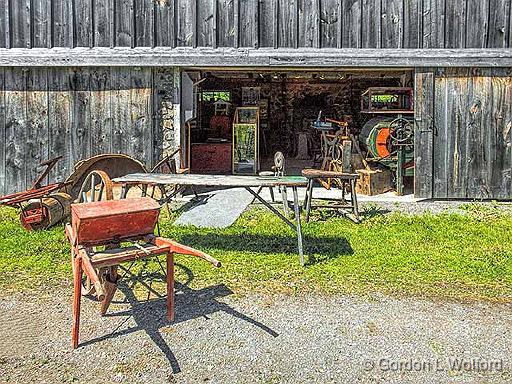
<point>77,293</point>
<point>170,286</point>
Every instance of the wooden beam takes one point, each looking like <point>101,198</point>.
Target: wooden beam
<point>253,58</point>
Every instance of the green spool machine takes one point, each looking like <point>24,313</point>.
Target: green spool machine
<point>390,142</point>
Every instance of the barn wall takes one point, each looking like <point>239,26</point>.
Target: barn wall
<point>464,133</point>
<point>82,112</point>
<point>256,23</point>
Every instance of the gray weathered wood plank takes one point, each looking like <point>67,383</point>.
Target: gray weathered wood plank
<point>477,23</point>
<point>101,111</point>
<point>501,130</point>
<point>309,23</point>
<point>329,20</point>
<point>83,23</point>
<point>441,136</point>
<point>15,123</point>
<point>371,24</point>
<point>140,133</point>
<point>268,23</point>
<point>226,23</point>
<point>455,24</point>
<point>478,107</point>
<point>413,24</point>
<point>499,20</point>
<point>103,25</point>
<point>248,23</point>
<point>433,23</point>
<point>19,23</point>
<point>62,21</point>
<point>186,22</point>
<point>124,23</point>
<point>41,24</point>
<point>206,23</point>
<point>263,57</point>
<point>37,134</point>
<point>144,23</point>
<point>352,33</point>
<point>80,132</point>
<point>59,122</point>
<point>459,125</point>
<point>121,108</point>
<point>214,180</point>
<point>5,39</point>
<point>165,32</point>
<point>424,133</point>
<point>392,24</point>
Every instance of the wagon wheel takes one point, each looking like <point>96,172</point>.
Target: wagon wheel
<point>97,186</point>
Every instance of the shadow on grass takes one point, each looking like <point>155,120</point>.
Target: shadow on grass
<point>324,247</point>
<point>150,315</point>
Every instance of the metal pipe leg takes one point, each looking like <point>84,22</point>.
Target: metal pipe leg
<point>272,197</point>
<point>77,294</point>
<point>124,191</point>
<point>353,197</point>
<point>170,286</point>
<point>299,228</point>
<point>309,197</point>
<point>284,196</point>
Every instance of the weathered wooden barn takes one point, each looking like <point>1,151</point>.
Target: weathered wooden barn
<point>84,77</point>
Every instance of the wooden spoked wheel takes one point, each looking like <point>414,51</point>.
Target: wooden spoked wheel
<point>97,186</point>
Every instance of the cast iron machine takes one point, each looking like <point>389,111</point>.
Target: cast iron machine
<point>390,142</point>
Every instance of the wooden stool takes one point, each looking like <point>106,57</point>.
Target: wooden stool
<point>111,223</point>
<point>312,174</point>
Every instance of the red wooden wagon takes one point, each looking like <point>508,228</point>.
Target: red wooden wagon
<point>99,232</point>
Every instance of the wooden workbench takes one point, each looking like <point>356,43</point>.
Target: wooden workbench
<point>247,182</point>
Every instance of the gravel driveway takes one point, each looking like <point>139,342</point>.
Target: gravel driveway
<point>220,338</point>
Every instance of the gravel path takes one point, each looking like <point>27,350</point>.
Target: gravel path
<point>221,338</point>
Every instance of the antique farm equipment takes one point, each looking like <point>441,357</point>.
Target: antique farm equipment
<point>246,130</point>
<point>389,136</point>
<point>114,165</point>
<point>40,206</point>
<point>390,142</point>
<point>111,225</point>
<point>337,142</point>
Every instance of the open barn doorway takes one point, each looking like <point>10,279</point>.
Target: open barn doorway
<point>237,120</point>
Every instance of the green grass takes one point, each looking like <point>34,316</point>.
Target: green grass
<point>462,257</point>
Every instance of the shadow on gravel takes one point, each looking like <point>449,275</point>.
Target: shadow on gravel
<point>150,315</point>
<point>323,247</point>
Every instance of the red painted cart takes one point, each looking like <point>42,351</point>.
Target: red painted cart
<point>111,225</point>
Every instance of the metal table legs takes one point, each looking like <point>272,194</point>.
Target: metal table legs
<point>295,226</point>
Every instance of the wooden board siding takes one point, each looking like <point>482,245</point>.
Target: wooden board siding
<point>424,132</point>
<point>256,23</point>
<point>465,152</point>
<point>81,112</point>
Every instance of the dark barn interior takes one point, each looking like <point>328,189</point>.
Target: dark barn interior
<point>289,103</point>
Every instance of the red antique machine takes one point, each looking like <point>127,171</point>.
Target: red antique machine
<point>40,206</point>
<point>110,225</point>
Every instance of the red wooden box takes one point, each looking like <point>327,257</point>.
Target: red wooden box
<point>103,222</point>
<point>211,158</point>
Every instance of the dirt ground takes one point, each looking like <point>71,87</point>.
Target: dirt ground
<point>219,337</point>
